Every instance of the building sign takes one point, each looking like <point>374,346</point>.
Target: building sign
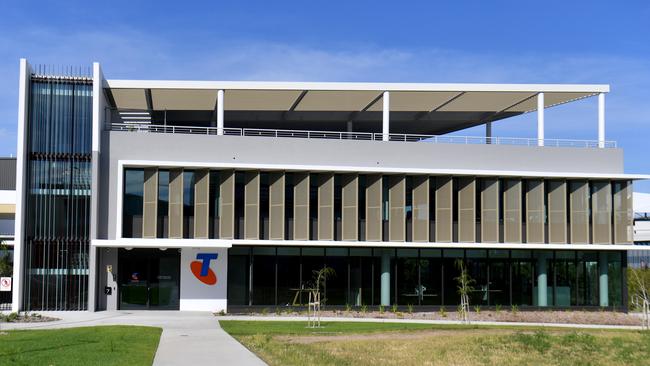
<point>204,279</point>
<point>201,268</point>
<point>5,283</point>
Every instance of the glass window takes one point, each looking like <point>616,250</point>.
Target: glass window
<point>499,278</point>
<point>132,203</point>
<point>215,199</point>
<point>430,276</point>
<point>264,276</point>
<point>163,203</point>
<point>238,276</point>
<point>7,224</point>
<point>188,204</point>
<point>587,277</point>
<point>477,268</point>
<point>564,268</point>
<point>288,276</point>
<point>451,272</point>
<point>614,278</point>
<point>361,275</point>
<point>313,259</point>
<point>407,277</point>
<point>523,277</point>
<point>336,286</point>
<point>264,206</point>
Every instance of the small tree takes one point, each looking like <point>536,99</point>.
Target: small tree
<point>465,287</point>
<point>6,268</point>
<point>641,296</point>
<point>314,304</point>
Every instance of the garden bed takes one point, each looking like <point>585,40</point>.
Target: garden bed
<point>528,316</point>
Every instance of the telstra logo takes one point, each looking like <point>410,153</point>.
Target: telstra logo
<point>201,268</point>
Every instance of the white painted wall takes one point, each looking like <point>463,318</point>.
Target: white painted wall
<point>196,295</point>
<point>7,197</point>
<point>641,202</point>
<point>642,230</point>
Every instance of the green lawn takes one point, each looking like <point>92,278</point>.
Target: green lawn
<point>106,345</point>
<point>341,343</point>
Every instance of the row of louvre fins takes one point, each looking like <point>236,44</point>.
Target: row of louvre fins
<point>533,210</point>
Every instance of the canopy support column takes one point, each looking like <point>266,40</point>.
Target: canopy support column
<point>220,112</point>
<point>385,128</point>
<point>540,119</point>
<point>601,120</point>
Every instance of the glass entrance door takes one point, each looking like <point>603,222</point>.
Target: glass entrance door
<point>149,279</point>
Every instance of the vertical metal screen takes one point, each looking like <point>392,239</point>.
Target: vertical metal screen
<point>57,212</point>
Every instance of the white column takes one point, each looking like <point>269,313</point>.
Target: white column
<point>601,120</point>
<point>540,119</point>
<point>488,132</point>
<point>385,127</point>
<point>23,103</point>
<point>220,112</point>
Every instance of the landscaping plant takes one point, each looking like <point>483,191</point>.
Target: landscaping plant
<point>465,288</point>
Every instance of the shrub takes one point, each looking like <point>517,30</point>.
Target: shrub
<point>442,312</point>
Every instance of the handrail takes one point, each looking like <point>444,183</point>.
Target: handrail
<point>361,136</point>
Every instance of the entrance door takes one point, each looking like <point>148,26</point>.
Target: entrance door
<point>149,279</point>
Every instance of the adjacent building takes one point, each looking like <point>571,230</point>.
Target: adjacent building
<point>216,195</point>
<point>7,225</point>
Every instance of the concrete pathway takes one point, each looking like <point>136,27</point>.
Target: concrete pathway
<point>428,321</point>
<point>188,338</point>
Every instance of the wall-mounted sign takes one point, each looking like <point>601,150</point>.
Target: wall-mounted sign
<point>108,290</point>
<point>5,283</point>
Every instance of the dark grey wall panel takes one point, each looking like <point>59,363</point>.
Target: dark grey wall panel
<point>8,174</point>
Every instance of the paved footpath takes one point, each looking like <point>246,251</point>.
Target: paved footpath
<point>188,338</point>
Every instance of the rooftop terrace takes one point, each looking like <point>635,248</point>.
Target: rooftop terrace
<point>351,111</point>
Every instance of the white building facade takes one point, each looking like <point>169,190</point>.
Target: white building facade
<point>210,195</point>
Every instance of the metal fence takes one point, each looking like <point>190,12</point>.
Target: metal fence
<point>363,136</point>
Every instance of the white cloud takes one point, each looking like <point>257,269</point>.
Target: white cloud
<point>128,53</point>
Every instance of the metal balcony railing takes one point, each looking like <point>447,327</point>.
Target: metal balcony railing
<point>363,136</point>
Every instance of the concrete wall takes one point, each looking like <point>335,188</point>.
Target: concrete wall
<point>327,153</point>
<point>107,277</point>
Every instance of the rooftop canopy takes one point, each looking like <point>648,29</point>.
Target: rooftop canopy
<point>415,108</point>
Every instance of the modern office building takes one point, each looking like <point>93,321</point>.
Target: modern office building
<point>7,224</point>
<point>211,195</point>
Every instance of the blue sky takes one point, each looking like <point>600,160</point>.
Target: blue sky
<point>460,41</point>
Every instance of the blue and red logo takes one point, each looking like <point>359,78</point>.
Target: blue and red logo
<point>201,268</point>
